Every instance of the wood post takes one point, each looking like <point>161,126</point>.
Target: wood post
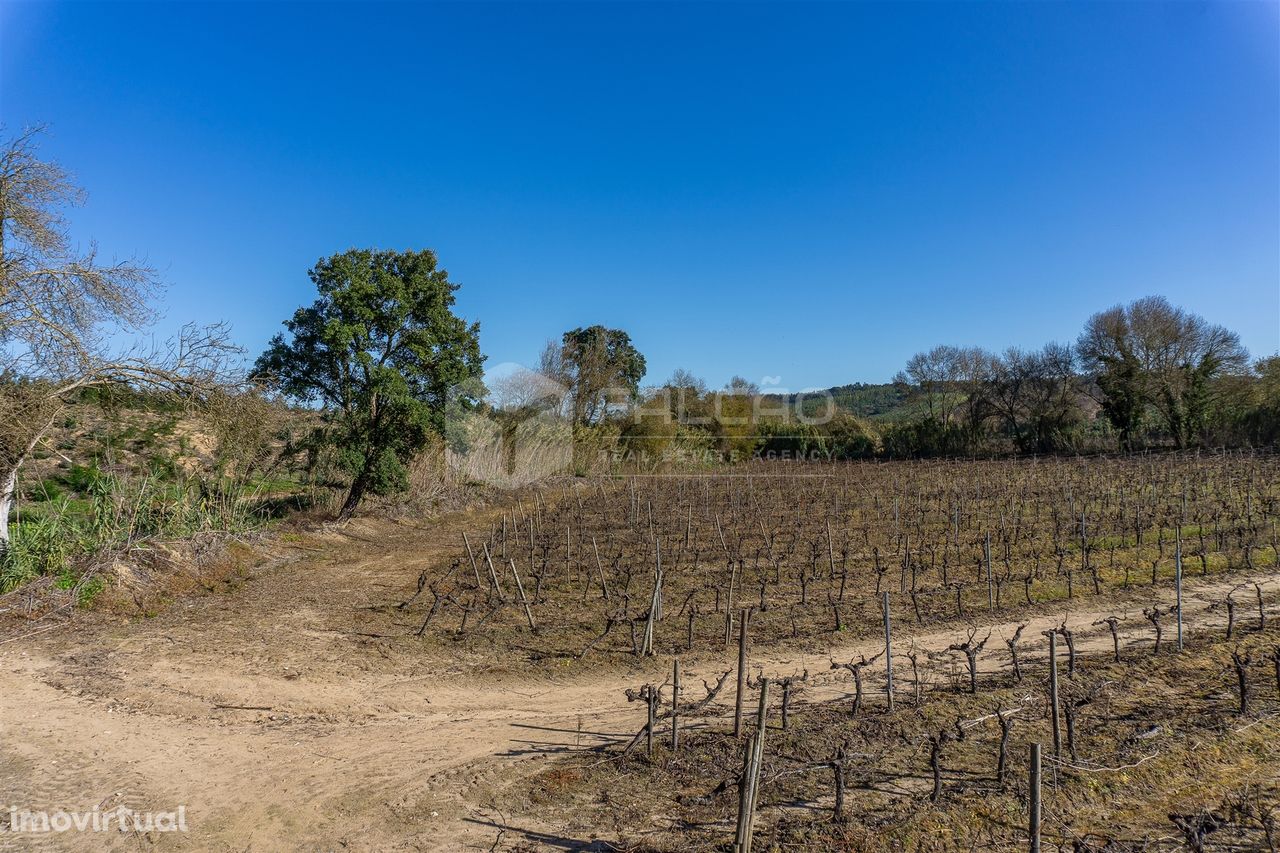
<point>604,586</point>
<point>888,653</point>
<point>533,626</point>
<point>472,557</point>
<point>675,704</point>
<point>493,575</point>
<point>1053,693</point>
<point>764,705</point>
<point>1033,825</point>
<point>742,671</point>
<point>749,790</point>
<point>991,589</point>
<point>657,582</point>
<point>1177,582</point>
<point>652,700</point>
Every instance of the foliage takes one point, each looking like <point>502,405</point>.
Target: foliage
<point>851,438</point>
<point>647,436</point>
<point>380,352</point>
<point>1149,354</point>
<point>1156,373</point>
<point>923,438</point>
<point>865,400</point>
<point>62,537</point>
<point>599,366</point>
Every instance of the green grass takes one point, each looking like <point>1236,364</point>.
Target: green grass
<point>48,489</point>
<point>58,537</point>
<point>87,588</point>
<point>275,485</point>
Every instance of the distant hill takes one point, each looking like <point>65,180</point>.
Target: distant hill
<point>885,402</point>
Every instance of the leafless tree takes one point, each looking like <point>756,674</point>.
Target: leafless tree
<point>60,308</point>
<point>936,373</point>
<point>1151,353</point>
<point>1036,395</point>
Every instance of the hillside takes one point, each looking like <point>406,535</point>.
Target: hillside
<point>886,402</point>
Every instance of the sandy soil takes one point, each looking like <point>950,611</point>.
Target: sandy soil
<point>281,719</point>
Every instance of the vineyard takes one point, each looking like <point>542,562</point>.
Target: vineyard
<point>611,431</point>
<point>1118,613</point>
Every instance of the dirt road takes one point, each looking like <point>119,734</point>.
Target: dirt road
<point>281,716</point>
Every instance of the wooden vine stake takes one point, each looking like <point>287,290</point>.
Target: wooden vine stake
<point>1033,826</point>
<point>1053,693</point>
<point>675,704</point>
<point>533,626</point>
<point>888,654</point>
<point>749,790</point>
<point>493,575</point>
<point>1177,578</point>
<point>742,671</point>
<point>651,700</point>
<point>655,610</point>
<point>604,585</point>
<point>472,557</point>
<point>991,584</point>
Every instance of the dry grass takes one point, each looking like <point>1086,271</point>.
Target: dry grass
<point>1161,737</point>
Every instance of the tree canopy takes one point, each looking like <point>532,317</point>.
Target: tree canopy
<point>599,366</point>
<point>1150,353</point>
<point>381,353</point>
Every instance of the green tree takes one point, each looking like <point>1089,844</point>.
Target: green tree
<point>735,418</point>
<point>850,437</point>
<point>599,366</point>
<point>382,354</point>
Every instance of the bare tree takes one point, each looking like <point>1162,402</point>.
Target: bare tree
<point>59,310</point>
<point>1149,353</point>
<point>937,373</point>
<point>1037,396</point>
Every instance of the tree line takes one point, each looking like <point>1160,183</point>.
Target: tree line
<point>1143,375</point>
<point>1146,375</point>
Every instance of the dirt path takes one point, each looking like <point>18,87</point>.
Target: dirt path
<point>342,740</point>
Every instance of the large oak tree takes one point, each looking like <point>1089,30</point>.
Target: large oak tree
<point>383,356</point>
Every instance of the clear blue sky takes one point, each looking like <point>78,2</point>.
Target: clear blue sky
<point>811,192</point>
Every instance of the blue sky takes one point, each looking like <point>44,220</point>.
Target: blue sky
<point>810,192</point>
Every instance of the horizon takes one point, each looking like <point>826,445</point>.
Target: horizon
<point>1001,187</point>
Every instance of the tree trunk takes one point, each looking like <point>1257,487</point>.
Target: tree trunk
<point>8,488</point>
<point>358,488</point>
